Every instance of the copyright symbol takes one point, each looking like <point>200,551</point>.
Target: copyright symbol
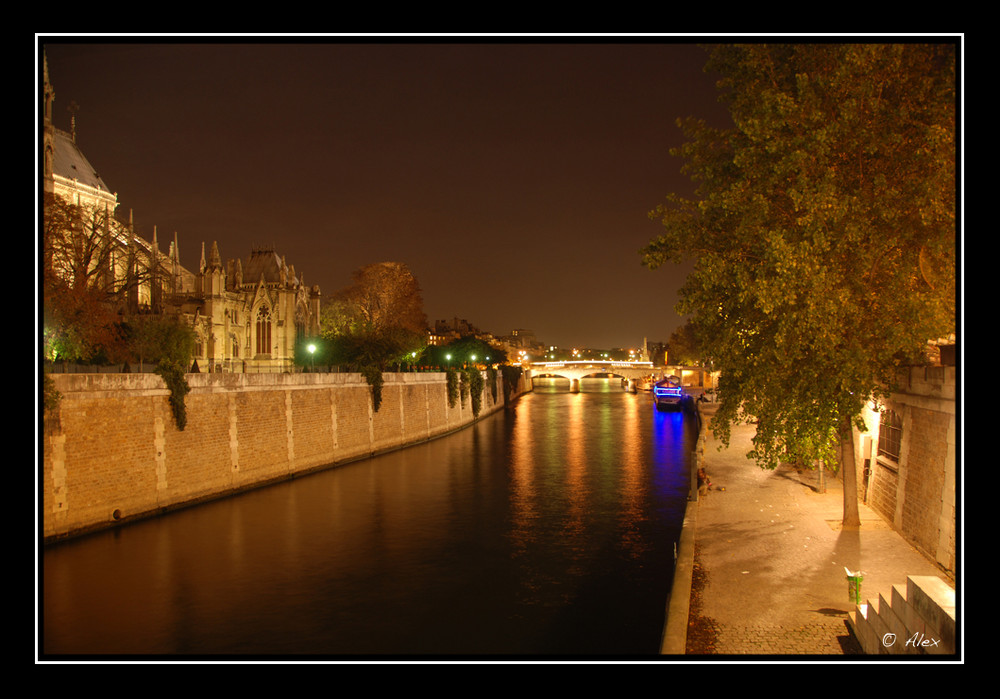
<point>888,639</point>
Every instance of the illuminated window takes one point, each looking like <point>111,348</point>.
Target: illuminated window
<point>890,435</point>
<point>264,330</point>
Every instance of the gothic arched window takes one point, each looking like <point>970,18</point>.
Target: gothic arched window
<point>264,330</point>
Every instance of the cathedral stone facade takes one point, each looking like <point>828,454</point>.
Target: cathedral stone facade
<point>247,314</point>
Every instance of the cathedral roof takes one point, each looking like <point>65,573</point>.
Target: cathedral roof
<point>69,161</point>
<point>267,263</point>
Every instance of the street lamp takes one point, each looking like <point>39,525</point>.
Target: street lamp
<point>312,351</point>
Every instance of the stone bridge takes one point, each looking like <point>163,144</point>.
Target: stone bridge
<point>633,372</point>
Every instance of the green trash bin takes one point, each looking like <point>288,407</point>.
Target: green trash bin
<point>854,585</point>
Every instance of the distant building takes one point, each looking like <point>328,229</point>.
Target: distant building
<point>522,338</point>
<point>247,314</point>
<point>446,331</point>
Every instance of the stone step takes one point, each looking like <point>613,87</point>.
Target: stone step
<point>918,618</point>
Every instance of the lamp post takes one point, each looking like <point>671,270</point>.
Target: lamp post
<point>312,351</point>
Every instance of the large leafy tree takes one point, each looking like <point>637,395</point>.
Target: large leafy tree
<point>467,350</point>
<point>376,321</point>
<point>93,266</point>
<point>821,235</point>
<point>384,296</point>
<point>80,292</point>
<point>683,346</point>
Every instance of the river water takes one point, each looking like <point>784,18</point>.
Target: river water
<point>548,530</point>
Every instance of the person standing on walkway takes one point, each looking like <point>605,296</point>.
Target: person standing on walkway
<point>704,482</point>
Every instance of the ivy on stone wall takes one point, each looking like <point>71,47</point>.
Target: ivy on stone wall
<point>511,377</point>
<point>51,395</point>
<point>491,374</point>
<point>373,375</point>
<point>475,384</point>
<point>172,374</point>
<point>463,385</point>
<point>452,387</point>
<point>50,405</point>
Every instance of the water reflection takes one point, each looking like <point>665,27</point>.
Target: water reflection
<point>547,530</point>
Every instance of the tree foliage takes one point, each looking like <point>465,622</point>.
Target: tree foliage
<point>683,347</point>
<point>383,296</point>
<point>78,245</point>
<point>160,338</point>
<point>821,233</point>
<point>463,351</point>
<point>91,264</point>
<point>170,343</point>
<point>375,322</point>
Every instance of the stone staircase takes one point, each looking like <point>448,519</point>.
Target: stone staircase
<point>919,619</point>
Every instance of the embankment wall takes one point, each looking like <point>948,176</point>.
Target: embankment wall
<point>913,484</point>
<point>111,451</point>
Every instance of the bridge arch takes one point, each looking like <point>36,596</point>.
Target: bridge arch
<point>574,371</point>
<point>691,377</point>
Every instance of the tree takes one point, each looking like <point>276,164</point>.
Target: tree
<point>383,296</point>
<point>375,322</point>
<point>78,245</point>
<point>822,236</point>
<point>161,338</point>
<point>470,350</point>
<point>683,346</point>
<point>92,264</point>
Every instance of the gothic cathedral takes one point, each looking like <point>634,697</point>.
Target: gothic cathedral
<point>247,314</point>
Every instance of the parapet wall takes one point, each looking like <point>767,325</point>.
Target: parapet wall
<point>112,451</point>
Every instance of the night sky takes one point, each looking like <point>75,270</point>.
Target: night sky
<point>514,179</point>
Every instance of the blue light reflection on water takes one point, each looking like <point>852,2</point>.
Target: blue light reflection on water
<point>548,530</point>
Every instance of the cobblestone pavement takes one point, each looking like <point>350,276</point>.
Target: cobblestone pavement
<point>768,575</point>
<point>827,635</point>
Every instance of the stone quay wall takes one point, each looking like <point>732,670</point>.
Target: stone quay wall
<point>112,452</point>
<point>916,491</point>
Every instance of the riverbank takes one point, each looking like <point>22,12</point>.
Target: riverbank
<point>112,451</point>
<point>761,564</point>
<point>533,536</point>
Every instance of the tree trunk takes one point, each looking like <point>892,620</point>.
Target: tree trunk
<point>848,465</point>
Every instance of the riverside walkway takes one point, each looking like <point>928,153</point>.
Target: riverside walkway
<point>764,561</point>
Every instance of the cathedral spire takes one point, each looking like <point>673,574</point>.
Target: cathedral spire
<point>48,130</point>
<point>215,262</point>
<point>175,265</point>
<point>73,108</point>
